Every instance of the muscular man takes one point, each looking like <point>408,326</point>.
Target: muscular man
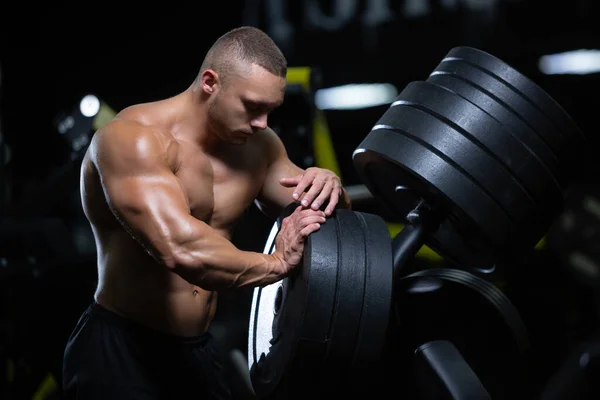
<point>162,186</point>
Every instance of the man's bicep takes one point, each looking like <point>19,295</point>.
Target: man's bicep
<point>143,193</point>
<point>142,202</point>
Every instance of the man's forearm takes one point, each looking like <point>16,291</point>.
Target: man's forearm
<point>209,260</point>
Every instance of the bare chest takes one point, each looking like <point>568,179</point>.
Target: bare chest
<point>219,191</point>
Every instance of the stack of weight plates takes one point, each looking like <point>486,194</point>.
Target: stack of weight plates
<point>484,143</point>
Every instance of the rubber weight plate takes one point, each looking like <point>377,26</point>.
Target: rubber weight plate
<point>464,155</point>
<point>489,104</point>
<point>471,313</point>
<point>513,101</point>
<point>474,227</point>
<point>312,331</point>
<point>525,86</point>
<point>488,176</point>
<point>492,136</point>
<point>478,232</point>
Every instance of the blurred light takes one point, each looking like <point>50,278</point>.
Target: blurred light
<point>592,206</point>
<point>584,264</point>
<point>66,124</point>
<point>89,105</point>
<point>355,96</point>
<point>577,62</point>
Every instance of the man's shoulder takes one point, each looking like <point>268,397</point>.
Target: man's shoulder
<point>141,114</point>
<point>134,123</point>
<point>124,131</point>
<point>127,135</point>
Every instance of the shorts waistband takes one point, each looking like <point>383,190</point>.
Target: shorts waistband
<point>134,326</point>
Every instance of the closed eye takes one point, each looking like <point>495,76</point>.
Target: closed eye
<point>259,106</point>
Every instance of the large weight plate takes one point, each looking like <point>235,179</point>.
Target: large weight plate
<point>526,87</point>
<point>508,96</point>
<point>472,236</point>
<point>475,226</point>
<point>470,312</point>
<point>501,143</point>
<point>521,107</point>
<point>456,149</point>
<point>475,163</point>
<point>566,146</point>
<point>327,321</point>
<point>502,114</point>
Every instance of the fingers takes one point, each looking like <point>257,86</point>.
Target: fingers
<point>291,181</point>
<point>303,183</point>
<point>312,219</point>
<point>317,187</point>
<point>320,186</point>
<point>309,229</point>
<point>333,200</point>
<point>304,217</point>
<point>295,228</point>
<point>326,192</point>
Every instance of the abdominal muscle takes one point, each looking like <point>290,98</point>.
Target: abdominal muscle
<point>132,284</point>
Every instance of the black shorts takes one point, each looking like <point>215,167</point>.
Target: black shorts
<point>111,357</point>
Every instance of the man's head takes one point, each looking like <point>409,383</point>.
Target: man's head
<point>243,80</point>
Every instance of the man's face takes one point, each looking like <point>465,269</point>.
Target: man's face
<point>241,107</point>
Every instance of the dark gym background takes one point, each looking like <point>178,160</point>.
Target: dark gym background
<point>52,56</point>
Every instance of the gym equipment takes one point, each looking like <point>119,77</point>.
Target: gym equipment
<point>442,373</point>
<point>475,159</point>
<point>485,161</point>
<point>472,336</point>
<point>313,331</point>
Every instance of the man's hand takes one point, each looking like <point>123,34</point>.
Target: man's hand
<point>320,186</point>
<point>295,228</point>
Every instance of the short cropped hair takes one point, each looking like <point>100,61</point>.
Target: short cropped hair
<point>241,45</point>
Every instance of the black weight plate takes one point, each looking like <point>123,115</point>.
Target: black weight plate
<point>511,99</point>
<point>457,150</point>
<point>489,133</point>
<point>366,260</point>
<point>503,115</point>
<point>350,292</point>
<point>269,356</point>
<point>527,88</point>
<point>471,313</point>
<point>476,231</point>
<point>329,319</point>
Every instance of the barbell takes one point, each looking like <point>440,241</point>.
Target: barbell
<point>475,159</point>
<point>480,148</point>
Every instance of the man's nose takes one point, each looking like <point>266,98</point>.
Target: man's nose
<point>259,122</point>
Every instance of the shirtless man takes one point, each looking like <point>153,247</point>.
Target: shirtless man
<point>162,186</point>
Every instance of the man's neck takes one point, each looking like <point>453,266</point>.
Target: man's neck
<point>192,123</point>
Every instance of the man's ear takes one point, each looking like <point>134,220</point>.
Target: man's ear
<point>209,81</point>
